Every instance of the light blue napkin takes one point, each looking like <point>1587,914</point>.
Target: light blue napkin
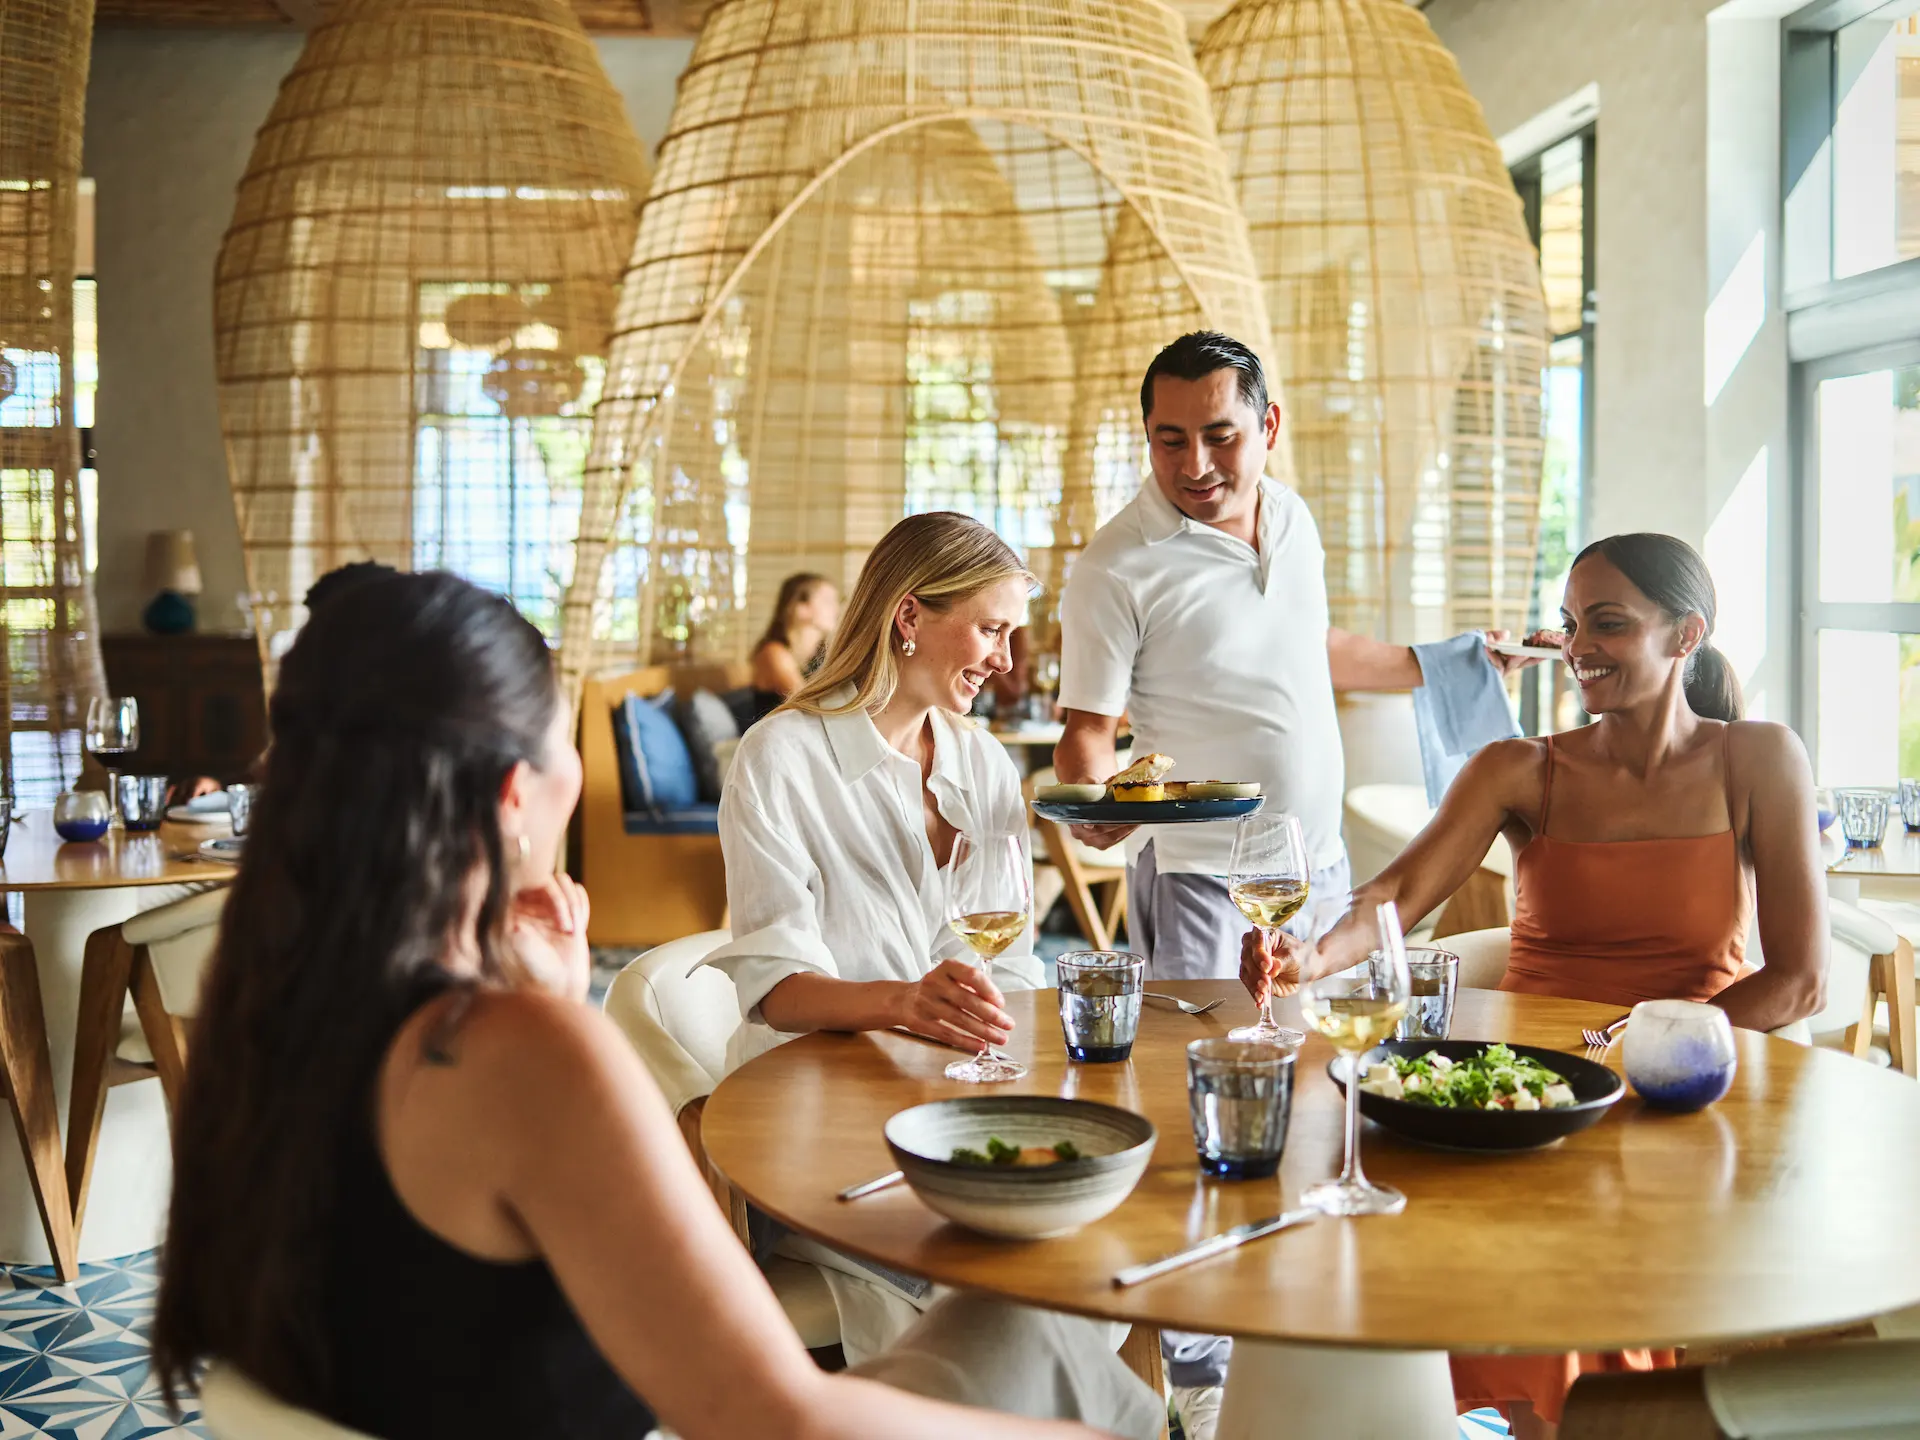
<point>1461,706</point>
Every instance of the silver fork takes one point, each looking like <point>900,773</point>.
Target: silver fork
<point>1602,1039</point>
<point>1187,1007</point>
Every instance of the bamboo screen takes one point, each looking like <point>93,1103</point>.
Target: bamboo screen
<point>1406,306</point>
<point>899,255</point>
<point>46,595</point>
<point>414,299</point>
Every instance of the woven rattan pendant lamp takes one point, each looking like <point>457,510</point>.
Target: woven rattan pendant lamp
<point>412,304</point>
<point>1406,306</point>
<point>874,276</point>
<point>47,619</point>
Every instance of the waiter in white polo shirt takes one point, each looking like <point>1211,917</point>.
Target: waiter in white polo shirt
<point>1200,611</point>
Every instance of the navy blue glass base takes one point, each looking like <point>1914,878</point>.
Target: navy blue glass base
<point>1098,1054</point>
<point>1227,1167</point>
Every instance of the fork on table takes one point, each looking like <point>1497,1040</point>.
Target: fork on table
<point>1602,1039</point>
<point>1187,1007</point>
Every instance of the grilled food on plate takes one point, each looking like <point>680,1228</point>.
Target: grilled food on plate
<point>1141,781</point>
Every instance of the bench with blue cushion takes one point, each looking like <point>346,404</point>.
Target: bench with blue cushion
<point>658,789</point>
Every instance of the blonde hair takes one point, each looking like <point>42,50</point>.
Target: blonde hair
<point>938,558</point>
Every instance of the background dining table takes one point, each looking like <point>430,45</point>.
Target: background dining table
<point>69,891</point>
<point>1784,1208</point>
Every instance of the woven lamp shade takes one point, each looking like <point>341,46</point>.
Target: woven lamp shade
<point>434,220</point>
<point>52,640</point>
<point>1406,305</point>
<point>876,274</point>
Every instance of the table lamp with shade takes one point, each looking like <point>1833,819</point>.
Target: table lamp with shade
<point>174,572</point>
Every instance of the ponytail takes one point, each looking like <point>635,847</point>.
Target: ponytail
<point>1713,690</point>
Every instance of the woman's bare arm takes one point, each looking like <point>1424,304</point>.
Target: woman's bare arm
<point>548,1118</point>
<point>1500,780</point>
<point>1788,879</point>
<point>775,669</point>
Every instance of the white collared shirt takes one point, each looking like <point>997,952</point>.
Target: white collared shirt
<point>828,867</point>
<point>1217,652</point>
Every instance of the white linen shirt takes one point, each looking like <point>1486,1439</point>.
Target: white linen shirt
<point>1218,655</point>
<point>828,867</point>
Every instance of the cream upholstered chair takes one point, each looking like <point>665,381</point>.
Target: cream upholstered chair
<point>157,959</point>
<point>680,1023</point>
<point>1379,821</point>
<point>234,1408</point>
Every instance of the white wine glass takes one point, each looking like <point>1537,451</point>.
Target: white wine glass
<point>113,730</point>
<point>1356,1009</point>
<point>989,899</point>
<point>1268,883</point>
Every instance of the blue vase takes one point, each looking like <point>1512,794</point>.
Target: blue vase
<point>168,613</point>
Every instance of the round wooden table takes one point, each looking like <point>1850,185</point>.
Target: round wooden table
<point>1786,1207</point>
<point>70,891</point>
<point>1895,858</point>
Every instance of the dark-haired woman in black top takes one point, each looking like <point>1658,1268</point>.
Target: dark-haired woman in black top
<point>421,1187</point>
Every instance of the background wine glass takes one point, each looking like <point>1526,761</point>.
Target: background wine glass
<point>1268,883</point>
<point>113,731</point>
<point>989,899</point>
<point>1356,1009</point>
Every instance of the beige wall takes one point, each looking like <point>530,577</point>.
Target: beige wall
<point>171,117</point>
<point>1649,59</point>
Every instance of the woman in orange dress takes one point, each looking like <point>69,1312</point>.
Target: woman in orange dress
<point>1640,843</point>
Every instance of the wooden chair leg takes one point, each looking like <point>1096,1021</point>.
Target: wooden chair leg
<point>1895,981</point>
<point>166,1036</point>
<point>1140,1352</point>
<point>1860,1036</point>
<point>1116,906</point>
<point>1079,895</point>
<point>106,971</point>
<point>36,1116</point>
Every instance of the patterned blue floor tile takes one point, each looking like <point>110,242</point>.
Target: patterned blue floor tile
<point>73,1358</point>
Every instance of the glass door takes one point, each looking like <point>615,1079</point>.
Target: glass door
<point>1859,566</point>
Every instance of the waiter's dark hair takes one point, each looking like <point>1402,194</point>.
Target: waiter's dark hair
<point>1195,356</point>
<point>1671,574</point>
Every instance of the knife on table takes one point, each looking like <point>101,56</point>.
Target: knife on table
<point>1218,1245</point>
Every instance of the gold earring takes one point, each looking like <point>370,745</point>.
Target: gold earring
<point>525,847</point>
<point>907,647</point>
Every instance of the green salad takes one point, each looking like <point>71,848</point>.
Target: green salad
<point>1495,1079</point>
<point>998,1152</point>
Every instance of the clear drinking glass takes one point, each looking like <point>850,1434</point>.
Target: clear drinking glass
<point>1355,1009</point>
<point>1239,1097</point>
<point>1863,817</point>
<point>989,901</point>
<point>113,730</point>
<point>1100,1003</point>
<point>240,807</point>
<point>1268,883</point>
<point>142,800</point>
<point>1435,979</point>
<point>1910,805</point>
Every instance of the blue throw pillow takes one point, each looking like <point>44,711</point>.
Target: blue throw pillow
<point>655,764</point>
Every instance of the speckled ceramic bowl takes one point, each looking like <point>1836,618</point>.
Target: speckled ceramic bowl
<point>1678,1054</point>
<point>1021,1203</point>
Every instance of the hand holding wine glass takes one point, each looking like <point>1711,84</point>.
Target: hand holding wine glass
<point>1269,885</point>
<point>1357,1008</point>
<point>989,903</point>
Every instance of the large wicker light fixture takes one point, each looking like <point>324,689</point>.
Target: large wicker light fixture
<point>415,295</point>
<point>46,597</point>
<point>877,273</point>
<point>1406,306</point>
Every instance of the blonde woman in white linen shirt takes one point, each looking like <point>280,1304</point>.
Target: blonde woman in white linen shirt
<point>838,822</point>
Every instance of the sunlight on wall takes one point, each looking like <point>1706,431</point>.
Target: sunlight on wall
<point>1736,551</point>
<point>1736,315</point>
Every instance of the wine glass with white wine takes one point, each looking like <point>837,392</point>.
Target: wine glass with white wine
<point>989,900</point>
<point>1356,1009</point>
<point>1268,883</point>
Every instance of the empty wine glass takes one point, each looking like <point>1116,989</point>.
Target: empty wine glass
<point>1268,883</point>
<point>113,730</point>
<point>989,897</point>
<point>1356,1009</point>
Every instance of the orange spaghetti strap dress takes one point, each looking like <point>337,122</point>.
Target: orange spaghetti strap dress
<point>1618,922</point>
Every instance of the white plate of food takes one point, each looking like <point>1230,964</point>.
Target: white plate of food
<point>1540,645</point>
<point>226,849</point>
<point>187,815</point>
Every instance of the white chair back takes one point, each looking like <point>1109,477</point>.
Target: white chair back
<point>179,938</point>
<point>1483,956</point>
<point>234,1408</point>
<point>678,1022</point>
<point>1854,937</point>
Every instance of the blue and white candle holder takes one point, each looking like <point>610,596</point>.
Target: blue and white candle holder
<point>1679,1053</point>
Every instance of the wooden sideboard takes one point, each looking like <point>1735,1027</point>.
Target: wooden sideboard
<point>202,705</point>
